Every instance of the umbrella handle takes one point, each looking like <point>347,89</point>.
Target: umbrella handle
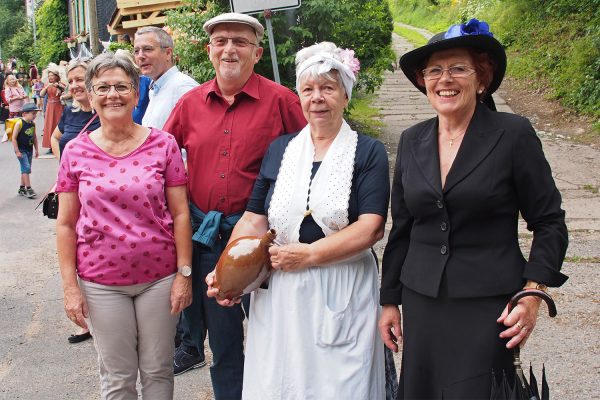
<point>537,293</point>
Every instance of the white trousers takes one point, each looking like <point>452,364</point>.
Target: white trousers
<point>133,330</point>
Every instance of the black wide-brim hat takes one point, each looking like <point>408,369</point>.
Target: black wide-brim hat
<point>414,60</point>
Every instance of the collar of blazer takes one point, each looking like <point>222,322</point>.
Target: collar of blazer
<point>481,137</point>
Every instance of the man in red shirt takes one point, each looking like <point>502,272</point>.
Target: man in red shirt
<point>225,126</point>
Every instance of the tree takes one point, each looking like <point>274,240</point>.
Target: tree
<point>362,25</point>
<point>53,26</point>
<point>12,17</point>
<point>21,44</point>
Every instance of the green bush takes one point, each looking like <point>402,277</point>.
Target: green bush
<point>52,19</point>
<point>12,18</point>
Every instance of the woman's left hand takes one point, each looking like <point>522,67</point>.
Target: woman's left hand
<point>181,293</point>
<point>290,257</point>
<point>520,321</point>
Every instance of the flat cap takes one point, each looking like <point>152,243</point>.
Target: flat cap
<point>235,18</point>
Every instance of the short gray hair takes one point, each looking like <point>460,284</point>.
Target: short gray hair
<point>110,60</point>
<point>164,39</point>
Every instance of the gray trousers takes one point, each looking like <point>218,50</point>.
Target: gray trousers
<point>133,331</point>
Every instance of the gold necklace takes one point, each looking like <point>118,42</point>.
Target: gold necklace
<point>452,139</point>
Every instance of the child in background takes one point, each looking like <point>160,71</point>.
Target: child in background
<point>24,142</point>
<point>37,87</point>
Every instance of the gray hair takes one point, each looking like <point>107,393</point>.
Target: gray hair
<point>164,39</point>
<point>110,60</point>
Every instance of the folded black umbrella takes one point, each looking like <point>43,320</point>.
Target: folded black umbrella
<point>520,388</point>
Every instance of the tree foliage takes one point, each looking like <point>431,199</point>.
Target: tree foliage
<point>12,17</point>
<point>52,19</point>
<point>362,25</point>
<point>21,44</point>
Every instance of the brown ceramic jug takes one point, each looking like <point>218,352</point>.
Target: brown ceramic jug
<point>243,266</point>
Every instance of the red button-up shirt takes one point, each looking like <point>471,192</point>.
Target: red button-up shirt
<point>225,144</point>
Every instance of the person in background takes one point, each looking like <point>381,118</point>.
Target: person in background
<point>15,96</point>
<point>36,88</point>
<point>54,89</point>
<point>144,98</point>
<point>3,101</point>
<point>24,80</point>
<point>225,125</point>
<point>153,51</point>
<point>33,71</point>
<point>25,142</point>
<point>325,192</point>
<point>123,237</point>
<point>453,259</point>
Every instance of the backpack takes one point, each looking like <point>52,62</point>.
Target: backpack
<point>9,126</point>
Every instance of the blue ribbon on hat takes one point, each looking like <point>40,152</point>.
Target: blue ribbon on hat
<point>473,27</point>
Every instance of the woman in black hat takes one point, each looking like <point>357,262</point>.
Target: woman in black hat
<point>453,258</point>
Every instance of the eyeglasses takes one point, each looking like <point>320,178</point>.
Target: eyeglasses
<point>239,42</point>
<point>122,88</point>
<point>147,49</point>
<point>455,71</point>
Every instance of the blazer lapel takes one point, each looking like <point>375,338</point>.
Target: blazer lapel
<point>481,137</point>
<point>424,148</point>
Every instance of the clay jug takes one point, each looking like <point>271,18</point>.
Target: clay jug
<point>243,266</point>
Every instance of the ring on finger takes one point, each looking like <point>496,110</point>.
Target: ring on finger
<point>519,325</point>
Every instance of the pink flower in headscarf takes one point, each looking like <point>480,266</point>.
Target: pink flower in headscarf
<point>348,58</point>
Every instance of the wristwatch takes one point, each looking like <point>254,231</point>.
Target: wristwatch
<point>535,285</point>
<point>185,270</point>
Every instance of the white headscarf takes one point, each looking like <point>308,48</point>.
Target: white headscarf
<point>324,57</point>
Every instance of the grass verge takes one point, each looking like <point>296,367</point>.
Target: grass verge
<point>414,37</point>
<point>363,117</point>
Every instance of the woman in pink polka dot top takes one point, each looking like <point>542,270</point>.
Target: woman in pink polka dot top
<point>123,236</point>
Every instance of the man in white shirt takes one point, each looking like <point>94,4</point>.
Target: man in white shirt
<point>153,50</point>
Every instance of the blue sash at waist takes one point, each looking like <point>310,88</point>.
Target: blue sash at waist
<point>209,226</point>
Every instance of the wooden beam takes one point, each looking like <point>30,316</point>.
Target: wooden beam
<point>157,7</point>
<point>141,3</point>
<point>144,22</point>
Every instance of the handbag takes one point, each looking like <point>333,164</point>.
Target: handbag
<point>50,200</point>
<point>50,205</point>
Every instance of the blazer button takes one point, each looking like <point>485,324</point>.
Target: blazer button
<point>439,204</point>
<point>444,250</point>
<point>444,226</point>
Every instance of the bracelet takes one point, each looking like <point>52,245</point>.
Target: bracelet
<point>537,286</point>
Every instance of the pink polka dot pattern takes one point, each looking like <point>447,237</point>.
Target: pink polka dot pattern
<point>125,230</point>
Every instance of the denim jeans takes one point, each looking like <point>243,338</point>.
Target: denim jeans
<point>25,161</point>
<point>224,325</point>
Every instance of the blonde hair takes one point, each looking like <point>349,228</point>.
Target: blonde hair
<point>74,64</point>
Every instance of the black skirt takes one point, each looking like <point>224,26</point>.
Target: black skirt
<point>451,346</point>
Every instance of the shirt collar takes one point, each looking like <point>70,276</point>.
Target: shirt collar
<point>156,85</point>
<point>250,88</point>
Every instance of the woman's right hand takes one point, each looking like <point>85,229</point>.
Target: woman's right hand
<point>76,306</point>
<point>213,292</point>
<point>390,326</point>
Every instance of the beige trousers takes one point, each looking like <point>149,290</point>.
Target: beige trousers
<point>133,331</point>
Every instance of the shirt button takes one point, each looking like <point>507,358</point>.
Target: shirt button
<point>439,204</point>
<point>224,153</point>
<point>443,249</point>
<point>222,176</point>
<point>444,226</point>
<point>226,131</point>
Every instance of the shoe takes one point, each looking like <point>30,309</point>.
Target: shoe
<point>22,191</point>
<point>79,338</point>
<point>29,193</point>
<point>184,361</point>
<point>49,152</point>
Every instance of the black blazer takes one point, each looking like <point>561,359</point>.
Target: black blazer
<point>468,230</point>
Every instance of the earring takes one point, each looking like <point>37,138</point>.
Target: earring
<point>479,91</point>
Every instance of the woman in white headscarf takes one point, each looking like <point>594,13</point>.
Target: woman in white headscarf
<point>313,331</point>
